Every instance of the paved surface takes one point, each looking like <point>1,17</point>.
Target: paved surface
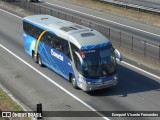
<point>147,3</point>
<point>126,26</point>
<point>136,90</point>
<point>106,16</point>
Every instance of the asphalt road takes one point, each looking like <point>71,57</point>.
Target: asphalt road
<point>136,91</point>
<point>147,3</point>
<point>120,23</point>
<point>144,39</point>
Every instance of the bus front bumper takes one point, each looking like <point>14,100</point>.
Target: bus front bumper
<point>88,86</point>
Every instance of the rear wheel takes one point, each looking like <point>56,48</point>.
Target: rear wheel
<point>34,56</point>
<point>73,82</point>
<point>40,61</point>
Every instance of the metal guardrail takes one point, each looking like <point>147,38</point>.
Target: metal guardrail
<point>117,37</point>
<point>140,8</point>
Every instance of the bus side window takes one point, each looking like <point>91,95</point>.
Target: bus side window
<point>37,32</point>
<point>32,30</point>
<point>25,27</point>
<point>54,42</point>
<point>44,39</point>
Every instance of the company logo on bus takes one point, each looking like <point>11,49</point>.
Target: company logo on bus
<point>59,56</point>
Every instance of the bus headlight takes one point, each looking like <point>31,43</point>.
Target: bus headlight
<point>80,78</point>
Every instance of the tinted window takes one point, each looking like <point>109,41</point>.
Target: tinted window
<point>32,30</point>
<point>56,42</point>
<point>46,38</point>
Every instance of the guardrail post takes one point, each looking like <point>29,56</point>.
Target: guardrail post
<point>159,52</point>
<point>120,38</point>
<point>89,24</point>
<point>126,7</point>
<point>21,4</point>
<point>29,6</point>
<point>46,11</point>
<point>40,9</point>
<point>98,28</point>
<point>65,16</point>
<point>57,14</point>
<point>144,48</point>
<point>72,19</point>
<point>132,44</point>
<point>51,12</point>
<point>34,9</point>
<point>24,5</point>
<point>109,33</point>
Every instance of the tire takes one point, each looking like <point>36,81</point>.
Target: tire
<point>33,54</point>
<point>35,58</point>
<point>73,82</point>
<point>40,61</point>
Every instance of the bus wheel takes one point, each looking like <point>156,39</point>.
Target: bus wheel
<point>34,56</point>
<point>73,81</point>
<point>40,61</point>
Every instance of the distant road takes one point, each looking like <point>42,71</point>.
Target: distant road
<point>147,3</point>
<point>81,10</point>
<point>143,31</point>
<point>136,91</point>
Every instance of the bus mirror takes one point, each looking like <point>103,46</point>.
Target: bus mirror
<point>118,54</point>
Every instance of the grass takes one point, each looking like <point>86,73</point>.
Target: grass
<point>119,11</point>
<point>7,104</point>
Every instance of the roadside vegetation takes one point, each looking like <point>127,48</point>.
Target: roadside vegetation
<point>119,11</point>
<point>7,104</point>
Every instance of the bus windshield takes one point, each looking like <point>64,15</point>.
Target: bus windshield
<point>99,62</point>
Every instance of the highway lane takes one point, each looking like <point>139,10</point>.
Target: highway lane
<point>140,36</point>
<point>122,23</point>
<point>136,91</point>
<point>141,32</point>
<point>147,3</point>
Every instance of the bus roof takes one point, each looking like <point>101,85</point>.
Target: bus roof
<point>77,34</point>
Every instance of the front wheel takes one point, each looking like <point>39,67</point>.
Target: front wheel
<point>73,82</point>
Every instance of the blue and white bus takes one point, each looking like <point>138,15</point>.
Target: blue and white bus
<point>81,55</point>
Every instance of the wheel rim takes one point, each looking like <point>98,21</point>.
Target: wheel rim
<point>73,81</point>
<point>39,60</point>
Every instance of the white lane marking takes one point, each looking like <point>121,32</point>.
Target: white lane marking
<point>11,13</point>
<point>103,19</point>
<point>150,44</point>
<point>144,71</point>
<point>53,82</point>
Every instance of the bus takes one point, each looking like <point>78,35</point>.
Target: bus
<point>80,54</point>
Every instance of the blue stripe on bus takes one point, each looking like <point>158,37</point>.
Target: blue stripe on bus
<point>91,47</point>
